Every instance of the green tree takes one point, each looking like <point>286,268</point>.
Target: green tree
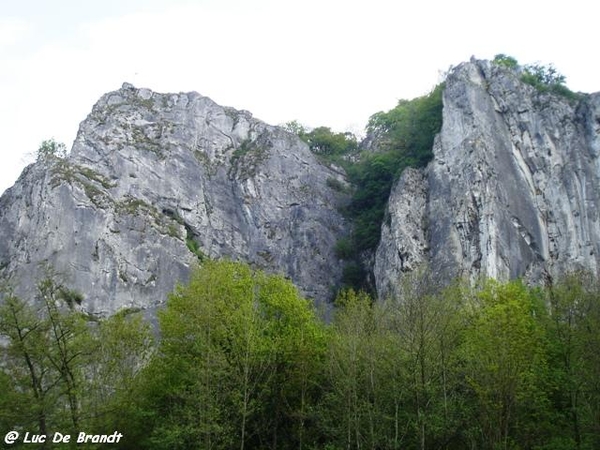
<point>61,370</point>
<point>429,327</point>
<point>506,367</point>
<point>44,356</point>
<point>410,128</point>
<point>28,376</point>
<point>64,340</point>
<point>236,364</point>
<point>349,411</point>
<point>405,136</point>
<point>51,149</point>
<point>545,75</point>
<point>327,143</point>
<point>118,348</point>
<point>505,60</point>
<point>294,127</point>
<point>573,333</point>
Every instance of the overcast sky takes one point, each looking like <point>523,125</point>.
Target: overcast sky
<point>320,62</point>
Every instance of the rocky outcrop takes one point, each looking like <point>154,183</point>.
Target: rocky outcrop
<point>156,181</point>
<point>512,190</point>
<point>403,245</point>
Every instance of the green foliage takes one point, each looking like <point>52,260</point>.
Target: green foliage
<point>60,370</point>
<point>538,74</point>
<point>465,367</point>
<point>545,78</point>
<point>322,141</point>
<point>393,372</point>
<point>405,137</point>
<point>507,61</point>
<point>243,362</point>
<point>51,149</point>
<point>237,363</point>
<point>505,365</point>
<point>193,247</point>
<point>373,178</point>
<point>409,129</point>
<point>573,330</point>
<point>336,184</point>
<point>344,248</point>
<point>294,127</point>
<point>406,134</point>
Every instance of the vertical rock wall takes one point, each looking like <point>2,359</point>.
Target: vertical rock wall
<point>513,189</point>
<point>156,180</point>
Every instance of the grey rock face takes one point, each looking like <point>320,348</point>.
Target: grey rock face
<point>150,178</point>
<point>512,191</point>
<point>403,246</point>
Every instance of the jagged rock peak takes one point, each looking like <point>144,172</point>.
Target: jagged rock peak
<point>155,181</point>
<point>512,190</point>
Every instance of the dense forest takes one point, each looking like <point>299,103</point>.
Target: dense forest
<point>243,361</point>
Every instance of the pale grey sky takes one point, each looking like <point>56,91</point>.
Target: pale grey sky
<point>321,62</point>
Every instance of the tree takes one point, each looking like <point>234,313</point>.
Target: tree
<point>64,342</point>
<point>351,410</point>
<point>294,127</point>
<point>506,61</point>
<point>118,348</point>
<point>429,326</point>
<point>538,74</point>
<point>573,325</point>
<point>237,363</point>
<point>51,149</point>
<point>44,355</point>
<point>61,370</point>
<point>405,137</point>
<point>32,383</point>
<point>505,365</point>
<point>325,142</point>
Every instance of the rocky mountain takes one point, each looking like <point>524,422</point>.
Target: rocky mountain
<point>513,188</point>
<point>155,182</point>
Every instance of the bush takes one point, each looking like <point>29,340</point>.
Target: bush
<point>545,78</point>
<point>507,61</point>
<point>51,149</point>
<point>344,248</point>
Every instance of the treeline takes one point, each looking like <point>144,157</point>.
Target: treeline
<point>243,361</point>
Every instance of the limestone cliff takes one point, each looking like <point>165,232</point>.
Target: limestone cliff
<point>155,180</point>
<point>513,189</point>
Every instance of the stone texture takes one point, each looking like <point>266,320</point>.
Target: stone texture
<point>150,172</point>
<point>512,191</point>
<point>403,246</point>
